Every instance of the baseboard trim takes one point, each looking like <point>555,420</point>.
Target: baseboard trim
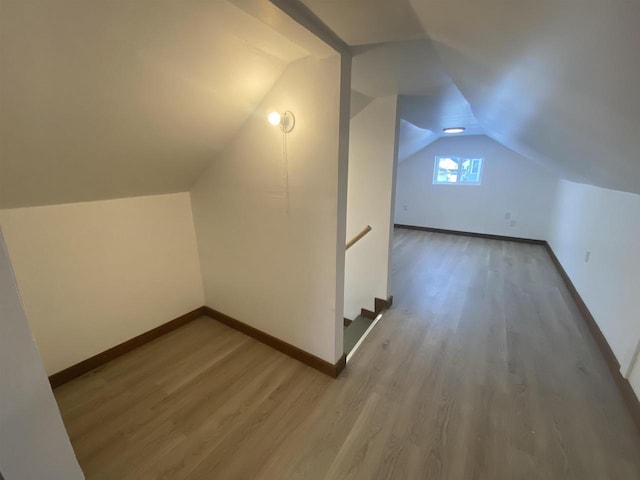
<point>85,366</point>
<point>100,359</point>
<point>366,313</point>
<point>333,370</point>
<point>630,398</point>
<point>382,304</point>
<point>488,236</point>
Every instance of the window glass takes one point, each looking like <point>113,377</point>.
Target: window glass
<point>451,169</point>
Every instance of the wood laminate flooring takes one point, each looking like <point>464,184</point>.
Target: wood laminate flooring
<point>483,369</point>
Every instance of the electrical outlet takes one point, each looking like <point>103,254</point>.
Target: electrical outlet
<point>587,256</point>
<point>507,216</point>
<point>405,208</point>
<point>512,223</point>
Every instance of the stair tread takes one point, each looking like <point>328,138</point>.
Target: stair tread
<point>354,331</point>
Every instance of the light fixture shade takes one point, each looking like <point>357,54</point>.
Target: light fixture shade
<point>286,121</point>
<point>274,118</point>
<point>454,130</point>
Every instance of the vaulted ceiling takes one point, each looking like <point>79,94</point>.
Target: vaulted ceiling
<point>105,99</point>
<point>102,99</point>
<point>555,80</point>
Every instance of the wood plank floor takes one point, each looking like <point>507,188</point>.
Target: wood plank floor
<point>483,369</point>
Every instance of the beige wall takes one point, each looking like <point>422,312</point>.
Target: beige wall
<point>95,274</point>
<point>372,151</point>
<point>272,269</point>
<point>33,442</point>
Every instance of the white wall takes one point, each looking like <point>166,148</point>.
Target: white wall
<point>33,441</point>
<point>607,224</point>
<point>634,377</point>
<point>272,269</point>
<point>95,274</point>
<point>510,183</point>
<point>372,152</point>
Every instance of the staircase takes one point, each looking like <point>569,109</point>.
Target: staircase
<point>354,331</point>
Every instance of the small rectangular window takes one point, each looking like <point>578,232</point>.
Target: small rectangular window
<point>450,169</point>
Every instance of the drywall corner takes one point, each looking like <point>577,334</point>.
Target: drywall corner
<point>266,214</point>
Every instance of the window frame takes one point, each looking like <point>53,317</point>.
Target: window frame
<point>459,159</point>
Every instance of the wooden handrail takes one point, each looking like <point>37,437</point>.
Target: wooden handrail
<point>359,236</point>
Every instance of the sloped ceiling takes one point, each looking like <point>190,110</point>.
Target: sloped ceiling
<point>358,102</point>
<point>429,100</point>
<point>555,80</point>
<point>413,139</point>
<point>102,99</point>
<point>360,22</point>
<point>409,67</point>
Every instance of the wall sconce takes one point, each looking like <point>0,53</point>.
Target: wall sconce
<point>286,121</point>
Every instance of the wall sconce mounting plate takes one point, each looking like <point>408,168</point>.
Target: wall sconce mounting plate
<point>286,121</point>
